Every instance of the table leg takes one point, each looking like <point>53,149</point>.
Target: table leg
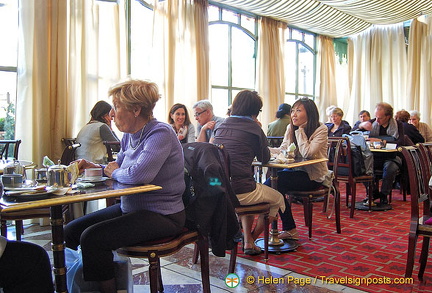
<point>57,247</point>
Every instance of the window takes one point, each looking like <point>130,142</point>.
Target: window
<point>233,46</point>
<point>300,65</point>
<point>8,67</point>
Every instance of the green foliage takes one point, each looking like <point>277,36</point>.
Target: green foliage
<point>9,124</point>
<point>2,124</point>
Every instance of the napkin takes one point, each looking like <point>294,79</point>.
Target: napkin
<point>47,162</point>
<point>281,159</point>
<point>74,170</point>
<point>292,147</point>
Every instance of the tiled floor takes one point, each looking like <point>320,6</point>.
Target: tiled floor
<point>181,275</point>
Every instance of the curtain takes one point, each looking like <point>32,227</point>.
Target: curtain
<point>270,69</point>
<point>326,82</point>
<point>42,78</point>
<point>180,40</point>
<point>378,69</point>
<point>419,83</point>
<point>70,53</point>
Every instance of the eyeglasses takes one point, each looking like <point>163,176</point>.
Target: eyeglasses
<point>199,113</point>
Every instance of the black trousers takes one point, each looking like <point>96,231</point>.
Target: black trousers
<point>103,231</point>
<point>25,267</point>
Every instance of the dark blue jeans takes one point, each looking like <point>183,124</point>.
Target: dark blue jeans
<point>103,231</point>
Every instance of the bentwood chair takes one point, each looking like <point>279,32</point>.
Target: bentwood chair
<point>9,149</point>
<point>67,141</point>
<point>68,154</point>
<point>275,141</point>
<point>109,147</point>
<point>418,167</point>
<point>307,198</point>
<point>346,175</point>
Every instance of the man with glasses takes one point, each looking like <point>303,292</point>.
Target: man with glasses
<point>207,121</point>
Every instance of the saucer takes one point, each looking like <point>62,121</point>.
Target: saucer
<point>93,181</point>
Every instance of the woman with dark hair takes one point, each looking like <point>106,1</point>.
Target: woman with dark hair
<point>310,138</point>
<point>244,140</point>
<point>278,127</point>
<point>179,119</point>
<point>94,133</point>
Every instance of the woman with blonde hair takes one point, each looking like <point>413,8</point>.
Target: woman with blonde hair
<point>150,154</point>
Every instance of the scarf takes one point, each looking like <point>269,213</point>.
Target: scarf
<point>392,129</point>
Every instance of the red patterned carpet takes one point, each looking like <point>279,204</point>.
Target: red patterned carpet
<point>372,246</point>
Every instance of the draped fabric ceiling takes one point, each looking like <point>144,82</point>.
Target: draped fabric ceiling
<point>335,18</point>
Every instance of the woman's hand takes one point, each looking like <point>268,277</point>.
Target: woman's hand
<point>84,164</point>
<point>109,169</point>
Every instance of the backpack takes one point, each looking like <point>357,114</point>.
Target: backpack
<point>362,156</point>
<point>209,199</point>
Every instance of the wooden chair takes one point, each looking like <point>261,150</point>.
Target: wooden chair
<point>168,246</point>
<point>9,147</point>
<point>345,172</point>
<point>68,154</point>
<point>68,141</point>
<point>418,167</point>
<point>275,141</point>
<point>307,198</point>
<point>109,147</point>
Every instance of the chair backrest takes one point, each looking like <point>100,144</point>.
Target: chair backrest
<point>418,168</point>
<point>338,152</point>
<point>275,141</point>
<point>109,147</point>
<point>9,148</point>
<point>68,141</point>
<point>426,147</point>
<point>69,154</point>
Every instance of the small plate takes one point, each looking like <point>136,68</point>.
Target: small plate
<point>93,181</point>
<point>30,195</point>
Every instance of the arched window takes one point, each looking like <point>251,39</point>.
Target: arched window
<point>233,47</point>
<point>300,65</point>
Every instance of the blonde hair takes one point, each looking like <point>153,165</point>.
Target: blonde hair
<point>134,92</point>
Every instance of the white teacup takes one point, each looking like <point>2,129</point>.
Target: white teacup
<point>93,174</point>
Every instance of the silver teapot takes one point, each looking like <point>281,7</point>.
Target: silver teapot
<point>59,176</point>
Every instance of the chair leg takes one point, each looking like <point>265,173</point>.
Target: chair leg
<point>337,210</point>
<point>353,199</point>
<point>19,228</point>
<point>412,241</point>
<point>160,283</point>
<point>266,236</point>
<point>195,254</point>
<point>309,208</point>
<point>153,272</point>
<point>205,272</point>
<point>423,257</point>
<point>3,228</point>
<point>233,260</point>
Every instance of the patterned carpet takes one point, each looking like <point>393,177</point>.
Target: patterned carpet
<point>371,248</point>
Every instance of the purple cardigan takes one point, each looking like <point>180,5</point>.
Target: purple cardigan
<point>157,160</point>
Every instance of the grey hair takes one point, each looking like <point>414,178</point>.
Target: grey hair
<point>329,109</point>
<point>415,113</point>
<point>203,105</point>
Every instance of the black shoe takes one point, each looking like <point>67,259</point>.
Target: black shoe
<point>384,200</point>
<point>376,194</point>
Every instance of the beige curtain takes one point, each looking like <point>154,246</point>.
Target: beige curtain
<point>326,81</point>
<point>181,50</point>
<point>70,53</point>
<point>270,69</point>
<point>378,69</point>
<point>419,83</point>
<point>42,78</point>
